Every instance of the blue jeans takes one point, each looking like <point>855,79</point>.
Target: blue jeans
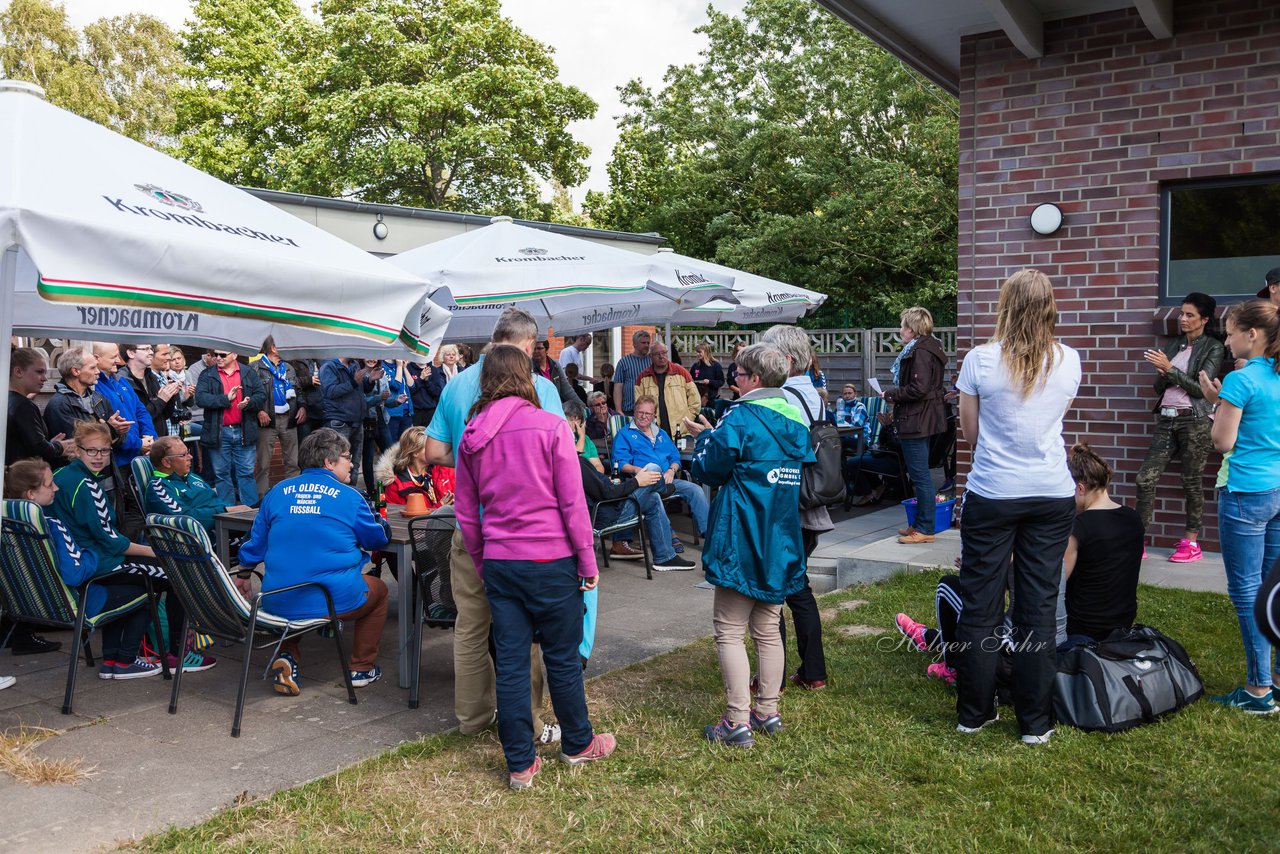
<point>1249,527</point>
<point>397,424</point>
<point>525,596</point>
<point>915,456</point>
<point>354,434</point>
<point>231,458</point>
<point>698,504</point>
<point>655,520</point>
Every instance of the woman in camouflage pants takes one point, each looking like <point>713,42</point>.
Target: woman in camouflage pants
<point>1182,417</point>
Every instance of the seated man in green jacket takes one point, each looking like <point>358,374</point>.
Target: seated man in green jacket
<point>176,490</point>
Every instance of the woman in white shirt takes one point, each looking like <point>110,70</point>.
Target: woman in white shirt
<point>1014,392</point>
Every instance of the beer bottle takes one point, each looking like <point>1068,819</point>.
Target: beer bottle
<point>380,502</point>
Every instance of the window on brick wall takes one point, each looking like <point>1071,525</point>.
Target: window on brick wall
<point>1218,237</point>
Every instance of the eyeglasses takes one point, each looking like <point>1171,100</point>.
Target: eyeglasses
<point>346,456</point>
<point>95,452</point>
<point>741,374</point>
<point>183,454</point>
<point>640,414</point>
<point>218,355</point>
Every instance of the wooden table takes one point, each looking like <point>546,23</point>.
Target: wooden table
<point>227,525</point>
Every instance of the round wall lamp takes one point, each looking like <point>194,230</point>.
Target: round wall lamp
<point>380,229</point>
<point>1046,219</point>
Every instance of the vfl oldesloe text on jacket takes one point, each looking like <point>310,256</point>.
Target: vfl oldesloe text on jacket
<point>755,455</point>
<point>83,507</point>
<point>313,528</point>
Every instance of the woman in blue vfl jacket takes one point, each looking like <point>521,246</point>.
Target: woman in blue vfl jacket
<point>754,554</point>
<point>316,527</point>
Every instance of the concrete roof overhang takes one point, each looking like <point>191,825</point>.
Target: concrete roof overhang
<point>925,34</point>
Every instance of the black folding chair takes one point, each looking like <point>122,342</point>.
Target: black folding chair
<point>616,527</point>
<point>431,538</point>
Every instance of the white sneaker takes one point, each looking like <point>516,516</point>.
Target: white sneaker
<point>970,730</point>
<point>7,682</point>
<point>1037,739</point>
<point>550,734</point>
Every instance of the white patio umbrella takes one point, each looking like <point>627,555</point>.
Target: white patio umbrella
<point>572,284</point>
<point>759,299</point>
<point>130,243</point>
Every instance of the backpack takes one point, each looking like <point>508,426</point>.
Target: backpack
<point>1129,679</point>
<point>821,481</point>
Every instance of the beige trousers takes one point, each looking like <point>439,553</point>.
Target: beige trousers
<point>733,613</point>
<point>474,693</point>
<point>288,451</point>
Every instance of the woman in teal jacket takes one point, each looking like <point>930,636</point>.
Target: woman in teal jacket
<point>754,553</point>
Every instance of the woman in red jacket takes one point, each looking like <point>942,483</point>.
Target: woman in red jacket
<point>403,470</point>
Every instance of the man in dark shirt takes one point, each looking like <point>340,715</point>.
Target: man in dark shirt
<point>343,386</point>
<point>75,398</point>
<point>158,395</point>
<point>28,436</point>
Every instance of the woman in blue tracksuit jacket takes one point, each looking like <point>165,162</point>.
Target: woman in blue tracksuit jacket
<point>754,553</point>
<point>316,527</point>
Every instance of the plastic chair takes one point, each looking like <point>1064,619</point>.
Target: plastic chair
<point>32,589</point>
<point>431,538</point>
<point>214,606</point>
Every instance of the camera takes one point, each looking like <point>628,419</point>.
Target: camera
<point>181,413</point>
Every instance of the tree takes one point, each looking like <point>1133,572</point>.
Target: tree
<point>241,102</point>
<point>799,150</point>
<point>441,103</point>
<point>117,73</point>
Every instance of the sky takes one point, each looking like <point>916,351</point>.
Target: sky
<point>599,45</point>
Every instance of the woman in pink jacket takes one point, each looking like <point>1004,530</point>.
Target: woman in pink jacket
<point>533,546</point>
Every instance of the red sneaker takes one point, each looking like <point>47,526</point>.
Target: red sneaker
<point>524,779</point>
<point>1187,552</point>
<point>601,746</point>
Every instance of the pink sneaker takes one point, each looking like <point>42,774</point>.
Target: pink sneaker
<point>602,744</point>
<point>940,671</point>
<point>912,630</point>
<point>1187,552</point>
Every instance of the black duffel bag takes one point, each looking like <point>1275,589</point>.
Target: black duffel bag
<point>1132,678</point>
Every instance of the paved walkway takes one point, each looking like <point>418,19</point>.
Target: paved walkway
<point>153,770</point>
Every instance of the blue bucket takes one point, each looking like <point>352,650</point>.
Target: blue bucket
<point>941,517</point>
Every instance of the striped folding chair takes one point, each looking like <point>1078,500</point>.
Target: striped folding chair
<point>32,589</point>
<point>142,472</point>
<point>214,606</point>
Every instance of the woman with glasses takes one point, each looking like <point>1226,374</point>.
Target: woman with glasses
<point>85,508</point>
<point>32,480</point>
<point>316,527</point>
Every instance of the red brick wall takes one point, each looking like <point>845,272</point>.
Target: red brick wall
<point>1095,126</point>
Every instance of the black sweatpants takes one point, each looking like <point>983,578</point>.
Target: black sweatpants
<point>1036,529</point>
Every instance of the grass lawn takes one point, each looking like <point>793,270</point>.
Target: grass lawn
<point>871,763</point>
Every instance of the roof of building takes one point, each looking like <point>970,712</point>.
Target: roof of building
<point>925,34</point>
<point>280,197</point>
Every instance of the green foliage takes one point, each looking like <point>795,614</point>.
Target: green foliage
<point>117,72</point>
<point>439,103</point>
<point>799,150</point>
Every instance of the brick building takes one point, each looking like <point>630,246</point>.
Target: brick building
<point>1154,127</point>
